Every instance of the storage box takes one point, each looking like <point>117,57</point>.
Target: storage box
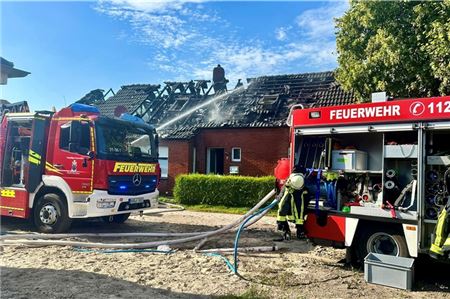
<point>388,270</point>
<point>348,160</point>
<point>400,151</point>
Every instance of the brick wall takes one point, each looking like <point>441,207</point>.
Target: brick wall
<point>260,150</point>
<point>180,161</point>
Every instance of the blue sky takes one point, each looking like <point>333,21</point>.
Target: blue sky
<point>71,48</point>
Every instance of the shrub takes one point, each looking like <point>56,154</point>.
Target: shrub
<point>230,191</point>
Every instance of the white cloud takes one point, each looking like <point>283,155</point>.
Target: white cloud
<point>153,6</point>
<point>319,23</point>
<point>181,44</point>
<point>281,33</point>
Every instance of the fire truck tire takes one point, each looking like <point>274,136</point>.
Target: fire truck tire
<point>121,218</point>
<point>51,214</point>
<point>380,240</point>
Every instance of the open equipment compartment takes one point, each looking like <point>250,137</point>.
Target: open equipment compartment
<point>401,170</point>
<point>437,161</point>
<point>391,181</point>
<point>352,166</point>
<point>363,173</point>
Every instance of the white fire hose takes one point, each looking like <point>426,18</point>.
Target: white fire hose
<point>47,239</point>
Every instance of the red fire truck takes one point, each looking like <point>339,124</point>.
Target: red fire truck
<point>76,163</point>
<point>376,172</point>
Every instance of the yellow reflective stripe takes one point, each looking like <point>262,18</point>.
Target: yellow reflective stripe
<point>281,218</point>
<point>92,139</point>
<point>50,167</point>
<point>436,249</point>
<point>92,176</point>
<point>8,193</point>
<point>282,200</point>
<point>440,228</point>
<point>12,208</point>
<point>302,209</point>
<point>298,218</point>
<point>93,150</point>
<point>294,206</point>
<point>294,209</point>
<point>82,192</point>
<point>34,154</point>
<point>34,160</point>
<point>34,157</point>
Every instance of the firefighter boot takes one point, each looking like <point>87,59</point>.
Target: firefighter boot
<point>300,232</point>
<point>284,227</point>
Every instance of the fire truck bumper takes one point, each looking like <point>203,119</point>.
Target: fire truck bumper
<point>100,203</point>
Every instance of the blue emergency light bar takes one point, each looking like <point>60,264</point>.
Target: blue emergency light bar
<point>84,108</point>
<point>132,118</point>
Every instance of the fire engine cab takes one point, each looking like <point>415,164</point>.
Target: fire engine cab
<point>376,173</point>
<point>76,163</point>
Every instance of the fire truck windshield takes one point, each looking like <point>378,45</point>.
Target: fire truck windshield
<point>122,141</point>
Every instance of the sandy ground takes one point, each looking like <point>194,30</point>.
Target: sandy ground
<point>309,272</point>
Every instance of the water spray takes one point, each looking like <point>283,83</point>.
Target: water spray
<point>192,110</point>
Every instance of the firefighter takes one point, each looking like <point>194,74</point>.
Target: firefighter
<point>441,244</point>
<point>292,205</point>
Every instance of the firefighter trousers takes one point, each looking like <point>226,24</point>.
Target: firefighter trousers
<point>292,206</point>
<point>441,244</point>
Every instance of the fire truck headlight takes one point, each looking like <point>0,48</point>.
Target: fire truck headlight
<point>105,203</point>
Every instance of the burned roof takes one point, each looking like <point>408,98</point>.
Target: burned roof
<point>93,97</point>
<point>128,98</point>
<point>264,103</point>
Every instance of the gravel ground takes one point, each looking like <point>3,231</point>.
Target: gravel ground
<point>302,271</point>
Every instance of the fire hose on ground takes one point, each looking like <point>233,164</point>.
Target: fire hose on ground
<point>32,239</point>
<point>251,217</point>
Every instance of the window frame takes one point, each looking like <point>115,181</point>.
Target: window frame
<point>90,138</point>
<point>233,159</point>
<point>165,158</point>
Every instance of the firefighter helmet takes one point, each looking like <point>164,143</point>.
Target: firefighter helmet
<point>296,181</point>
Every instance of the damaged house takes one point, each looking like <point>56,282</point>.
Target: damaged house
<point>243,133</point>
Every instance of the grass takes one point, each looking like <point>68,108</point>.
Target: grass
<point>215,209</point>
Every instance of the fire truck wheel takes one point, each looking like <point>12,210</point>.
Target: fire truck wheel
<point>380,240</point>
<point>121,218</point>
<point>50,214</point>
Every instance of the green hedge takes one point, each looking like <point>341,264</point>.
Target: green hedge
<point>221,190</point>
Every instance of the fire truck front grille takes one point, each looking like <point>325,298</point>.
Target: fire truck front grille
<point>131,184</point>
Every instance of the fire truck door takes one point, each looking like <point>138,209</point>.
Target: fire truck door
<point>36,153</point>
<point>73,155</point>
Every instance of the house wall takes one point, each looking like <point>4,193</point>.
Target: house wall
<point>180,161</point>
<point>260,150</point>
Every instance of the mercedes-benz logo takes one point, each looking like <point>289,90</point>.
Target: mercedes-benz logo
<point>137,179</point>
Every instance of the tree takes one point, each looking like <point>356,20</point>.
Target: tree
<point>401,47</point>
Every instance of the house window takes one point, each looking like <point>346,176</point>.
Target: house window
<point>164,161</point>
<point>236,154</point>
